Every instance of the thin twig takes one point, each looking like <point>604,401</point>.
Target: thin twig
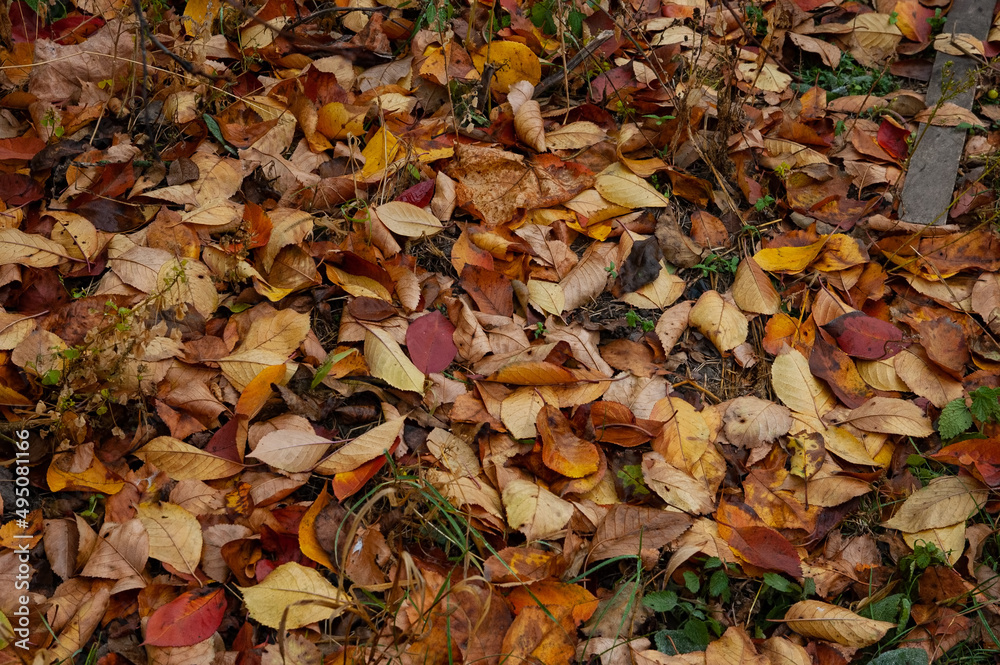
<point>574,62</point>
<point>766,50</point>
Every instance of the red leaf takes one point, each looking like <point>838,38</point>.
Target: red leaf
<point>429,342</point>
<point>419,195</point>
<point>20,148</point>
<point>766,548</point>
<point>191,618</point>
<point>983,455</point>
<point>892,138</point>
<point>345,484</point>
<point>863,336</point>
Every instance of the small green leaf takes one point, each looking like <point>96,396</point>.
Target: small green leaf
<point>718,583</point>
<point>778,583</point>
<point>660,601</point>
<point>955,419</point>
<point>691,581</point>
<point>326,365</point>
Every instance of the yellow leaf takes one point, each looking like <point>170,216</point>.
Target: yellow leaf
<point>546,296</point>
<point>408,220</point>
<point>373,443</point>
<point>182,461</point>
<point>335,121</point>
<point>658,294</point>
<point>788,260</point>
<point>387,361</point>
<point>535,511</point>
<point>379,153</point>
<point>513,61</point>
<point>812,618</point>
<point>945,501</point>
<point>622,187</point>
<point>293,593</point>
<point>797,388</point>
<point>719,320</point>
<point>174,535</point>
<point>196,12</point>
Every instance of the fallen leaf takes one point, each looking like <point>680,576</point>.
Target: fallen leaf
<point>812,618</point>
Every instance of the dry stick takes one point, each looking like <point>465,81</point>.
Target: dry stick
<point>187,65</point>
<point>766,50</point>
<point>574,62</point>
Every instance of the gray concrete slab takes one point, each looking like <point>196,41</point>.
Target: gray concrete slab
<point>930,180</point>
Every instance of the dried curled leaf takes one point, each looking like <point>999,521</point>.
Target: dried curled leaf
<point>811,618</point>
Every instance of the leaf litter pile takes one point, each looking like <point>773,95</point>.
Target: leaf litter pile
<point>539,332</point>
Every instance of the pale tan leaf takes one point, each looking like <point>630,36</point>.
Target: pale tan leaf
<point>589,277</point>
<point>139,267</point>
<point>637,393</point>
<point>672,324</point>
<point>658,294</point>
<point>575,136</point>
<point>535,511</point>
<point>949,114</point>
<point>174,535</point>
<point>460,457</point>
<point>829,53</point>
<point>960,44</point>
<point>121,552</point>
<point>408,220</point>
<point>734,648</point>
<point>719,320</point>
<point>873,38</point>
<point>890,416</point>
<point>949,539</point>
<point>528,125</point>
<point>924,379</point>
<point>986,299</point>
<point>751,421</point>
<point>288,227</point>
<point>769,77</point>
<point>387,361</point>
<point>881,374</point>
<point>812,618</point>
<point>187,282</point>
<point>14,329</point>
<point>797,388</point>
<point>219,178</point>
<point>548,297</point>
<point>373,443</point>
<point>622,187</point>
<point>468,491</point>
<point>295,593</point>
<point>215,536</point>
<point>675,487</point>
<point>182,461</point>
<point>630,530</point>
<point>519,410</point>
<point>945,501</point>
<point>29,249</point>
<point>753,290</point>
<point>291,450</point>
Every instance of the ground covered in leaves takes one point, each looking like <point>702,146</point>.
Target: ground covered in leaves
<point>546,331</point>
